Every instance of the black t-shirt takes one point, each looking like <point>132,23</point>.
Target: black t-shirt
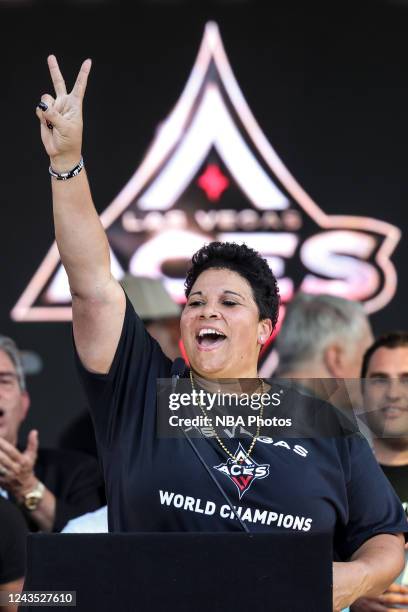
<point>154,484</point>
<point>398,477</point>
<point>13,532</point>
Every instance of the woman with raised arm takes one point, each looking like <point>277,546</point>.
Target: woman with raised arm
<point>159,484</point>
<point>98,302</point>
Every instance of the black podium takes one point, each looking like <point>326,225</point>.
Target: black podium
<point>184,572</point>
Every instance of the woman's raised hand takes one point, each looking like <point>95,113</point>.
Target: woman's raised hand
<point>61,122</point>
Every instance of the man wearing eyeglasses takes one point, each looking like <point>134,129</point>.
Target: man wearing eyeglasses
<point>49,485</point>
<point>385,395</point>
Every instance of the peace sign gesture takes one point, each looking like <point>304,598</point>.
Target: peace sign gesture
<point>61,120</point>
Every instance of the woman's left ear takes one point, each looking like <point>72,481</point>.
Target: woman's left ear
<point>264,330</point>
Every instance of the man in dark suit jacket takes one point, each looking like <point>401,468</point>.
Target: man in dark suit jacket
<point>50,486</point>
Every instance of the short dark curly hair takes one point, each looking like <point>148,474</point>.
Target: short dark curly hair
<point>390,340</point>
<point>246,262</point>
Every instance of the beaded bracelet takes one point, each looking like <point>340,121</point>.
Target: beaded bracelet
<point>64,176</point>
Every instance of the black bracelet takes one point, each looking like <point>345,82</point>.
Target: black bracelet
<point>64,176</point>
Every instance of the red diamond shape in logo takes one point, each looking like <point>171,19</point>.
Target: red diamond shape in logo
<point>213,182</point>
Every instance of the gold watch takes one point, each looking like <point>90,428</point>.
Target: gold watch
<point>33,498</point>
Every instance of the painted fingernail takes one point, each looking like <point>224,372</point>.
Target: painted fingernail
<point>49,125</point>
<point>43,106</point>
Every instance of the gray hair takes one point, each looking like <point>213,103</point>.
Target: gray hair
<point>8,346</point>
<point>312,322</point>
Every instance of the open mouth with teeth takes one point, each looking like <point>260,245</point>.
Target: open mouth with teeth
<point>208,338</point>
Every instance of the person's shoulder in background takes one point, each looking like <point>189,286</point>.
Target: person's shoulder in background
<point>312,413</point>
<point>60,466</point>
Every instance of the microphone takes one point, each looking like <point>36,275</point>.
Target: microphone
<point>177,370</point>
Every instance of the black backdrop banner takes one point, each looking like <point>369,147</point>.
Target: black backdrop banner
<point>316,115</point>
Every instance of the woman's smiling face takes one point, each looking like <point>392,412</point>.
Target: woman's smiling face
<point>220,326</point>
